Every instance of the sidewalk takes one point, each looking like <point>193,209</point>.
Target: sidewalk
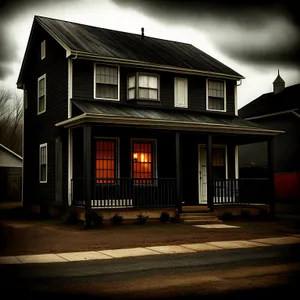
<point>154,250</point>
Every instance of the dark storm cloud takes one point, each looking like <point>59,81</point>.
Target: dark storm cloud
<point>232,25</point>
<point>9,10</point>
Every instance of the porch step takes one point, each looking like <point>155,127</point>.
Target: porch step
<point>195,209</point>
<point>199,218</point>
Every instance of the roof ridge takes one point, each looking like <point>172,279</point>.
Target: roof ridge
<point>108,29</point>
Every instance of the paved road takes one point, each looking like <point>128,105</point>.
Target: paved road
<point>236,274</point>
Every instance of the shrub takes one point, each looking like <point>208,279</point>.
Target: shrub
<point>142,219</point>
<point>93,218</point>
<point>227,216</point>
<point>71,216</point>
<point>116,219</point>
<point>245,213</point>
<point>164,217</point>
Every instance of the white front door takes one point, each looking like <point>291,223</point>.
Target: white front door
<point>202,178</point>
<point>219,156</point>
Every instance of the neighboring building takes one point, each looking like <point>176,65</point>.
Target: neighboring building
<point>10,175</point>
<point>119,120</point>
<point>278,110</point>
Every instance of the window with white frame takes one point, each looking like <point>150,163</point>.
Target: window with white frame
<point>143,86</point>
<point>43,49</point>
<point>43,163</point>
<point>42,94</point>
<point>216,95</point>
<point>180,92</point>
<point>106,82</point>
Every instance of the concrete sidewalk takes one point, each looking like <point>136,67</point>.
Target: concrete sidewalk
<point>143,251</point>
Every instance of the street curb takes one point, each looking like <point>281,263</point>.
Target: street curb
<point>146,251</point>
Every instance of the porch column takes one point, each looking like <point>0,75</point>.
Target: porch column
<point>87,167</point>
<point>209,175</point>
<point>271,175</point>
<point>178,172</point>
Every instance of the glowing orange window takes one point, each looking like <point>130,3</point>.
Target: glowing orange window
<point>105,161</point>
<point>143,162</point>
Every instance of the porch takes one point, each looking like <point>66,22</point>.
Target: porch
<point>154,158</point>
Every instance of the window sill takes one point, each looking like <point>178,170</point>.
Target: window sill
<point>216,110</point>
<point>144,102</point>
<point>106,99</point>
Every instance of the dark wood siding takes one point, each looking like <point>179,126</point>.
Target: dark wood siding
<point>41,128</point>
<point>165,149</point>
<point>230,103</point>
<point>197,92</point>
<point>83,86</point>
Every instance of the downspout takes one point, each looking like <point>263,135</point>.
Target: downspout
<point>70,133</point>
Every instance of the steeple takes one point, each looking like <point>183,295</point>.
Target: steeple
<point>278,84</point>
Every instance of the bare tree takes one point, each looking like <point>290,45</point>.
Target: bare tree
<point>11,120</point>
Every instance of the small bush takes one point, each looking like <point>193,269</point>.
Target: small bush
<point>116,219</point>
<point>164,217</point>
<point>227,216</point>
<point>71,216</point>
<point>142,219</point>
<point>93,218</point>
<point>245,213</point>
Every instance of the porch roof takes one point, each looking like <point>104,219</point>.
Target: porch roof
<point>158,117</point>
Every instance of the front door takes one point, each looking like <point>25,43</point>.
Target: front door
<point>202,178</point>
<point>219,168</point>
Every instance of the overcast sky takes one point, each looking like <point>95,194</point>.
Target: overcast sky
<point>254,39</point>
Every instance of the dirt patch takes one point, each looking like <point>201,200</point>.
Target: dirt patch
<point>33,237</point>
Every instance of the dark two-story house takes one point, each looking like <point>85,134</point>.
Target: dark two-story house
<point>115,120</point>
<point>278,109</point>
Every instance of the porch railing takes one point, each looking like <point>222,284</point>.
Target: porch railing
<point>126,192</point>
<point>242,191</point>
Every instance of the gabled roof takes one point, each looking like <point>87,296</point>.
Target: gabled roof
<point>89,41</point>
<point>270,103</point>
<point>11,152</point>
<point>94,111</point>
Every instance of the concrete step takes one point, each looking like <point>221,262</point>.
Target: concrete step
<point>197,214</point>
<point>201,222</point>
<point>199,209</point>
<point>198,218</point>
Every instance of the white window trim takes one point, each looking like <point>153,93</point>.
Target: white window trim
<point>117,149</point>
<point>38,94</point>
<point>108,65</point>
<point>154,141</point>
<point>41,146</point>
<point>43,54</point>
<point>225,100</point>
<point>136,76</point>
<point>187,93</point>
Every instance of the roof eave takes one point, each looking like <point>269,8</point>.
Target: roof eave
<point>169,68</point>
<point>12,152</point>
<point>96,118</point>
<point>48,30</point>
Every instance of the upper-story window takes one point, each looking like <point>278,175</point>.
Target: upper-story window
<point>43,49</point>
<point>216,95</point>
<point>106,82</point>
<point>41,103</point>
<point>143,86</point>
<point>180,92</point>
